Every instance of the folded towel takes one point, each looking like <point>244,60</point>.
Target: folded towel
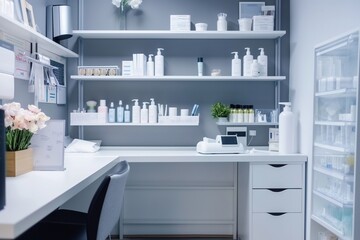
<point>82,146</point>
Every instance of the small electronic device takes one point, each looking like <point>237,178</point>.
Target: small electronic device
<point>222,144</point>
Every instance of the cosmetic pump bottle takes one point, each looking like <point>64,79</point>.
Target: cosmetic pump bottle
<point>200,65</point>
<point>144,114</point>
<point>246,113</point>
<point>232,113</point>
<point>120,113</point>
<point>150,67</point>
<point>263,62</point>
<point>152,111</point>
<point>127,114</point>
<point>102,111</point>
<point>247,61</point>
<point>159,63</point>
<point>251,114</point>
<point>136,111</point>
<point>287,130</point>
<point>112,113</point>
<point>255,69</point>
<point>236,65</point>
<point>239,114</point>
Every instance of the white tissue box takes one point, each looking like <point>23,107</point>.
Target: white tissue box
<point>180,23</point>
<point>263,23</point>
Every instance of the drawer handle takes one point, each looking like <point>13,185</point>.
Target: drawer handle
<point>276,214</point>
<point>278,165</point>
<point>277,189</point>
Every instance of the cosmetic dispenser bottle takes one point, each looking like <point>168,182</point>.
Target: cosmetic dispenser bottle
<point>150,67</point>
<point>251,114</point>
<point>221,22</point>
<point>102,111</point>
<point>287,130</point>
<point>200,65</point>
<point>246,113</point>
<point>159,63</point>
<point>236,65</point>
<point>263,62</point>
<point>232,113</point>
<point>136,111</point>
<point>127,114</point>
<point>239,114</point>
<point>255,69</point>
<point>120,113</point>
<point>153,113</point>
<point>112,113</point>
<point>247,61</point>
<point>144,113</point>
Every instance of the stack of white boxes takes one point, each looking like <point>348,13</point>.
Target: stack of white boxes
<point>7,68</point>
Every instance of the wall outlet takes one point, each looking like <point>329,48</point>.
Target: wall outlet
<point>252,133</point>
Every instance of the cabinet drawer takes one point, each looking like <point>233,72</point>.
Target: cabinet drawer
<point>284,227</point>
<point>277,176</point>
<point>277,200</point>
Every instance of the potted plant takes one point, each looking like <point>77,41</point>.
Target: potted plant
<point>20,125</point>
<point>220,111</point>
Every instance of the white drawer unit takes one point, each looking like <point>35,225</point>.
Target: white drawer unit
<point>277,198</point>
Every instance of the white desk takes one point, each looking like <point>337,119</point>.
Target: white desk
<point>32,196</point>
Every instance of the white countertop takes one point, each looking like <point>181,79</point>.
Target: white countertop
<point>33,195</point>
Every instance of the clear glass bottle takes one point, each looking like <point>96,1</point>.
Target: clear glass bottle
<point>221,22</point>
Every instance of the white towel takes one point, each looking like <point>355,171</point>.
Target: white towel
<point>82,146</point>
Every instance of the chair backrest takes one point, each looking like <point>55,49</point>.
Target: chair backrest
<point>105,207</point>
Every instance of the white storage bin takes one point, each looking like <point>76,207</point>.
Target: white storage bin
<point>263,23</point>
<point>191,120</point>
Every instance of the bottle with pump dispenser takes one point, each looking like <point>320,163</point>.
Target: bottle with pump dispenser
<point>239,114</point>
<point>236,65</point>
<point>152,111</point>
<point>251,114</point>
<point>200,63</point>
<point>102,111</point>
<point>255,69</point>
<point>232,113</point>
<point>287,130</point>
<point>263,62</point>
<point>159,63</point>
<point>247,61</point>
<point>150,68</point>
<point>144,114</point>
<point>120,113</point>
<point>127,114</point>
<point>112,113</point>
<point>246,113</point>
<point>136,111</point>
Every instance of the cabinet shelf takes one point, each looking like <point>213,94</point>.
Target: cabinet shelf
<point>19,30</point>
<point>334,174</point>
<point>329,227</point>
<point>136,124</point>
<point>166,34</point>
<point>178,78</point>
<point>335,123</point>
<point>330,147</point>
<point>345,92</point>
<point>247,124</point>
<point>331,200</point>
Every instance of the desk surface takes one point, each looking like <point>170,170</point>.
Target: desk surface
<point>32,196</point>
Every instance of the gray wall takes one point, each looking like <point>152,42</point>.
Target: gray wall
<point>313,22</point>
<point>180,59</point>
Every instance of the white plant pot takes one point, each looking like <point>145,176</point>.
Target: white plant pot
<point>222,119</point>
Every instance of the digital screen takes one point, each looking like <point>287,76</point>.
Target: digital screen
<point>229,140</point>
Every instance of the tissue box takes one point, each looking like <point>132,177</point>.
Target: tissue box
<point>263,23</point>
<point>180,23</point>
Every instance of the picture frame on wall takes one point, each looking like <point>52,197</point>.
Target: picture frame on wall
<point>250,9</point>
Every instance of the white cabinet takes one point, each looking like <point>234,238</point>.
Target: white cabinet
<point>335,188</point>
<point>277,201</point>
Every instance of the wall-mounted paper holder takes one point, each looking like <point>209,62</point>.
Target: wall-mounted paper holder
<point>31,59</point>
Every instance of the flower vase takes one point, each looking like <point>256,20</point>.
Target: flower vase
<point>122,16</point>
<point>18,162</point>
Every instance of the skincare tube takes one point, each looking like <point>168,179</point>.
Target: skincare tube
<point>200,64</point>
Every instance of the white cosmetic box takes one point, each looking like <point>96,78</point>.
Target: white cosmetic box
<point>180,23</point>
<point>263,23</point>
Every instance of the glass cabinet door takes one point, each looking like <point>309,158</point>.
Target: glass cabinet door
<point>334,139</point>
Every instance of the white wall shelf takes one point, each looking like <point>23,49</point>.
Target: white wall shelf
<point>19,30</point>
<point>166,34</point>
<point>345,92</point>
<point>247,124</point>
<point>329,227</point>
<point>136,124</point>
<point>178,78</point>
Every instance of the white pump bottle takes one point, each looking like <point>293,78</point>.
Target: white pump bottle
<point>159,63</point>
<point>152,111</point>
<point>236,65</point>
<point>247,61</point>
<point>287,130</point>
<point>263,61</point>
<point>150,71</point>
<point>144,113</point>
<point>136,111</point>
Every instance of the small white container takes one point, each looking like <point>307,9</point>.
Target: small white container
<point>245,24</point>
<point>184,112</point>
<point>221,22</point>
<point>172,111</point>
<point>201,27</point>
